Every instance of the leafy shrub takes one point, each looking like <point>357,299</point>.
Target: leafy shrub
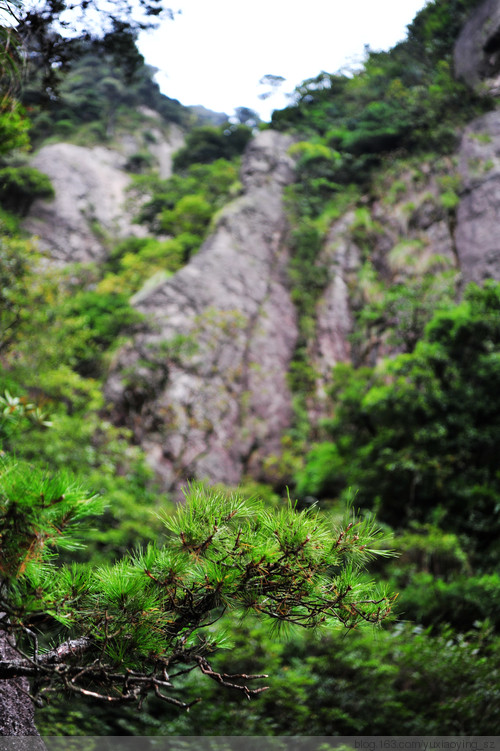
<point>208,183</point>
<point>206,144</point>
<point>103,317</point>
<point>422,437</point>
<point>17,258</point>
<point>462,602</point>
<point>14,126</point>
<point>191,214</point>
<point>20,186</point>
<point>324,473</point>
<point>380,127</point>
<point>141,161</point>
<point>136,260</point>
<point>430,550</point>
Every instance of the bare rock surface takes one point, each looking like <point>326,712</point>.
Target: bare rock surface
<point>205,389</point>
<point>477,49</point>
<point>403,234</point>
<point>334,319</point>
<point>478,214</point>
<point>89,210</point>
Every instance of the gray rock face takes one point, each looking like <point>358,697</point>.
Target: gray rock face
<point>205,388</point>
<point>477,50</point>
<point>89,210</point>
<point>403,235</point>
<point>478,214</point>
<point>334,319</point>
<point>410,232</point>
<point>89,189</point>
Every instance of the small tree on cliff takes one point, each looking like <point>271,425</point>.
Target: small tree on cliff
<point>127,631</point>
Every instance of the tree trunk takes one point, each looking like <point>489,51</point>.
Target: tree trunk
<point>17,712</point>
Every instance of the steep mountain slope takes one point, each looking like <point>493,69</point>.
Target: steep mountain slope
<point>89,212</point>
<point>426,218</point>
<point>206,388</point>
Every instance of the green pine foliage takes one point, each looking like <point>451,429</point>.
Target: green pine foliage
<point>156,608</point>
<point>38,511</point>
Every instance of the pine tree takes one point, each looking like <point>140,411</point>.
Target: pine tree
<point>126,631</point>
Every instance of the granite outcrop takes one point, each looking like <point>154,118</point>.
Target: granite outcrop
<point>89,212</point>
<point>204,389</point>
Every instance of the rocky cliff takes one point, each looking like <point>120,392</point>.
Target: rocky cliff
<point>429,216</point>
<point>477,50</point>
<point>478,213</point>
<point>90,208</point>
<point>205,389</point>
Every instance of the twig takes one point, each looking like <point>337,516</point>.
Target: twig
<point>227,680</point>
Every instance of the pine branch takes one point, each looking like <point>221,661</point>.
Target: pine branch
<point>28,667</point>
<point>229,680</point>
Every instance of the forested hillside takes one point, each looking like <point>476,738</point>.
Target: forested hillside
<point>246,313</point>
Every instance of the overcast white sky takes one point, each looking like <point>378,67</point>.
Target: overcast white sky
<point>216,51</point>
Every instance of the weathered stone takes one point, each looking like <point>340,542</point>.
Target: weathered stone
<point>208,396</point>
<point>89,210</point>
<point>16,708</point>
<point>427,213</point>
<point>334,320</point>
<point>477,49</point>
<point>405,237</point>
<point>89,189</point>
<point>478,215</point>
<point>163,148</point>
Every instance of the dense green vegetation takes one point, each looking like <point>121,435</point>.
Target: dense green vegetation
<point>97,99</point>
<point>207,144</point>
<point>127,630</point>
<point>415,438</point>
<point>419,435</point>
<point>181,207</point>
<point>404,98</point>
